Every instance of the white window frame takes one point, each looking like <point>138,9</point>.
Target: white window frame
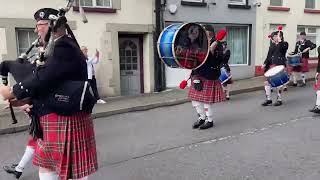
<point>315,4</point>
<point>94,4</point>
<point>244,2</point>
<point>282,5</point>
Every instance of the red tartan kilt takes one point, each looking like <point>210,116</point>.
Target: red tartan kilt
<point>304,66</point>
<point>212,92</point>
<point>32,142</point>
<point>68,146</point>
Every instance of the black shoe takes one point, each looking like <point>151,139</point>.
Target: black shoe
<point>278,103</point>
<point>198,123</point>
<point>227,98</point>
<point>266,103</point>
<point>11,170</point>
<point>313,109</point>
<point>316,109</point>
<point>285,89</point>
<point>206,125</point>
<point>294,84</point>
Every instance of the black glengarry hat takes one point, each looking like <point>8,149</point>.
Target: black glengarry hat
<point>44,13</point>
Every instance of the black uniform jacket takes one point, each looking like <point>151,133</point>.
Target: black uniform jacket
<point>210,70</point>
<point>276,55</point>
<point>66,63</point>
<point>300,46</point>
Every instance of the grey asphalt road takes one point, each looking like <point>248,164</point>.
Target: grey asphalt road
<point>249,142</point>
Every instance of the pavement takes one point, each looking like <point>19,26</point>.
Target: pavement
<point>118,105</point>
<point>248,142</point>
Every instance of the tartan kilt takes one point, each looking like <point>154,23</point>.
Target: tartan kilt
<point>304,67</point>
<point>68,146</point>
<point>212,92</point>
<point>32,142</point>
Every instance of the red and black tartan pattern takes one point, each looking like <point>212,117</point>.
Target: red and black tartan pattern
<point>212,92</point>
<point>32,142</point>
<point>304,66</point>
<point>68,146</point>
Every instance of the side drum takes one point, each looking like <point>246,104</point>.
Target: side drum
<point>277,76</point>
<point>183,46</point>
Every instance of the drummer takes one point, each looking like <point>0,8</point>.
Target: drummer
<point>226,56</point>
<point>205,87</point>
<point>303,46</point>
<point>276,56</point>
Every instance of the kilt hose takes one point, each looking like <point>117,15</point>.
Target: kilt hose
<point>211,92</point>
<point>68,146</point>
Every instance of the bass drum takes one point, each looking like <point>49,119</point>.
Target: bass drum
<point>183,46</point>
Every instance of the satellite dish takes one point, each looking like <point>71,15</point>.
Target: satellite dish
<point>173,8</point>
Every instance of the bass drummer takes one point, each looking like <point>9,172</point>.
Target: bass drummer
<point>276,56</point>
<point>205,87</point>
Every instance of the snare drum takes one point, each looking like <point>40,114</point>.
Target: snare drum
<point>294,60</point>
<point>277,76</point>
<point>224,75</point>
<point>183,46</point>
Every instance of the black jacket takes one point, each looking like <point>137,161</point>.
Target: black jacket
<point>210,70</point>
<point>276,55</point>
<point>225,61</point>
<point>300,46</point>
<point>66,63</point>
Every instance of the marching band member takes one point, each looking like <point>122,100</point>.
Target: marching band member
<point>205,87</point>
<point>316,108</point>
<point>276,56</point>
<point>17,169</point>
<point>67,148</point>
<point>226,56</point>
<point>303,46</point>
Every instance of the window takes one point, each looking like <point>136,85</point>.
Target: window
<point>276,3</point>
<point>313,34</point>
<point>274,27</point>
<point>94,3</point>
<point>238,42</point>
<point>310,4</point>
<point>25,37</point>
<point>241,2</point>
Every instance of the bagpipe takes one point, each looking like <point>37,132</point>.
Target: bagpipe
<point>22,67</point>
<point>19,69</point>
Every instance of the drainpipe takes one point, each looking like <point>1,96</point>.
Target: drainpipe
<point>159,75</point>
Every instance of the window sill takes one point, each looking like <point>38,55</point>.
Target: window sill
<point>94,9</point>
<point>239,6</point>
<point>278,8</point>
<point>187,3</point>
<point>312,11</point>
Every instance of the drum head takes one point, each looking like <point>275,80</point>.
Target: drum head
<point>191,47</point>
<point>273,71</point>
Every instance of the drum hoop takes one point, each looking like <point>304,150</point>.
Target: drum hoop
<point>174,40</point>
<point>283,68</point>
<point>158,42</point>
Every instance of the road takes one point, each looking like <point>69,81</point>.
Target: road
<point>249,142</point>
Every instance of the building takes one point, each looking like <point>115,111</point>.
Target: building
<point>122,30</point>
<point>294,16</point>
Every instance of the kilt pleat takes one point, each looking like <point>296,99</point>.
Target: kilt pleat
<point>68,146</point>
<point>211,92</point>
